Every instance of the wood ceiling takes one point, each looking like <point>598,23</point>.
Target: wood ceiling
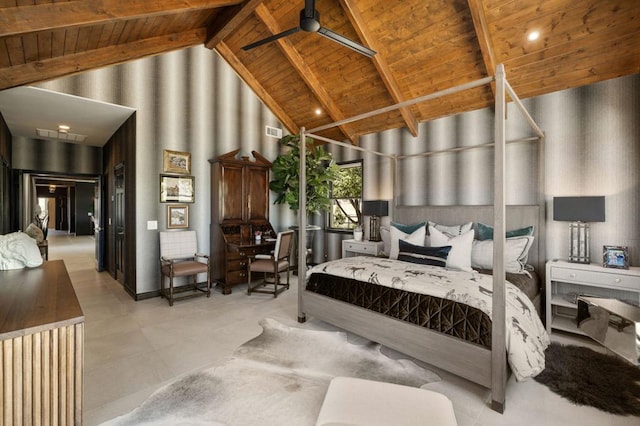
<point>423,46</point>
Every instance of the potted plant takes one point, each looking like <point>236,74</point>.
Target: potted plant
<point>321,170</point>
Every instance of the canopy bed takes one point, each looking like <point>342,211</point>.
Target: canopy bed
<point>483,363</point>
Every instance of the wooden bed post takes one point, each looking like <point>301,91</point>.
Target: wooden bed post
<point>302,224</point>
<point>498,350</point>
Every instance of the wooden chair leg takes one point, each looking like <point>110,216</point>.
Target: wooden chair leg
<point>276,281</point>
<point>171,290</point>
<point>161,284</point>
<point>287,278</point>
<point>249,284</point>
<point>208,283</point>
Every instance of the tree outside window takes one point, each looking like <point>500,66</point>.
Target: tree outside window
<point>346,197</point>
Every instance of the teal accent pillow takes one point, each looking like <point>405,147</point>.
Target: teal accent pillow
<point>485,232</point>
<point>408,229</point>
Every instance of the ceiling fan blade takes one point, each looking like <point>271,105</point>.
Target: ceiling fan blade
<point>272,38</point>
<point>331,35</point>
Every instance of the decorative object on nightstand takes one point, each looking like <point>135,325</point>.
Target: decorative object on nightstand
<point>361,248</point>
<point>611,323</point>
<point>579,211</point>
<point>567,282</point>
<point>615,257</point>
<point>375,209</point>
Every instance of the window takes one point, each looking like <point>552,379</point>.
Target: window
<point>346,197</point>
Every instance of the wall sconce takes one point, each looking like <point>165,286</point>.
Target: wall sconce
<point>579,211</point>
<point>52,189</point>
<point>375,209</point>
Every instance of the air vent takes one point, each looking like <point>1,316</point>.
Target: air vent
<point>63,136</point>
<point>274,132</point>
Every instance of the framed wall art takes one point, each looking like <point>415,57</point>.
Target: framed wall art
<point>177,162</point>
<point>177,216</point>
<point>177,189</point>
<point>615,257</point>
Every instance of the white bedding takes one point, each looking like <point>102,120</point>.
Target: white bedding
<point>526,337</point>
<point>18,250</point>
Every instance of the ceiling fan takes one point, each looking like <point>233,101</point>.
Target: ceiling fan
<point>310,22</point>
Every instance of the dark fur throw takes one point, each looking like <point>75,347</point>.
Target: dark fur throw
<point>586,377</point>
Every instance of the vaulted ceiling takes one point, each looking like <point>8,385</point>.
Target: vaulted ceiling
<point>422,46</point>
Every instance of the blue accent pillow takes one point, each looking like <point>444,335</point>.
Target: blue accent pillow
<point>408,229</point>
<point>436,256</point>
<point>485,232</point>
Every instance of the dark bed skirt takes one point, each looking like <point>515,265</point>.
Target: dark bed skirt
<point>446,316</point>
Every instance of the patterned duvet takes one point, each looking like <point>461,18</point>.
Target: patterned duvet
<point>470,292</point>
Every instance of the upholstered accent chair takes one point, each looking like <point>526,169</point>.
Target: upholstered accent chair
<point>277,262</point>
<point>179,257</point>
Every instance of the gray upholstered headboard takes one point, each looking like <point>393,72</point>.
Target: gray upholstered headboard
<point>516,217</point>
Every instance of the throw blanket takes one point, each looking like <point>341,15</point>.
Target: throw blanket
<point>18,250</point>
<point>526,337</point>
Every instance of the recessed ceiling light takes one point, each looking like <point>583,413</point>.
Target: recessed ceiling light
<point>318,111</point>
<point>63,128</point>
<point>533,35</point>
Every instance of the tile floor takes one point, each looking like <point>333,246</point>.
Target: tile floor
<point>133,348</point>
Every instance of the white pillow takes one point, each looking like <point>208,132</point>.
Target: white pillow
<point>416,238</point>
<point>385,235</point>
<point>460,254</point>
<point>18,250</point>
<point>516,253</point>
<point>451,230</point>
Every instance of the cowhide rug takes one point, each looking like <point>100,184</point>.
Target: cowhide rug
<point>279,377</point>
<point>586,377</point>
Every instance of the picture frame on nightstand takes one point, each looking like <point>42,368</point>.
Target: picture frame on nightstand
<point>615,257</point>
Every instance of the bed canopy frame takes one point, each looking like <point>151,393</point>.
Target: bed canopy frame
<point>498,361</point>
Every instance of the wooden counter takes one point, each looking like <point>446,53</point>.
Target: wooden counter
<point>41,347</point>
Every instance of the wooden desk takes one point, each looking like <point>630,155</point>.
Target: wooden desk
<point>237,252</point>
<point>41,346</point>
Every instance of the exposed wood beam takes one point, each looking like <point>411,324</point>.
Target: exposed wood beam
<point>79,62</point>
<point>50,16</point>
<point>479,17</point>
<point>380,62</point>
<point>259,90</point>
<point>306,73</point>
<point>228,21</point>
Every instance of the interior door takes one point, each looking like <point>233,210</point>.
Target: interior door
<point>119,225</point>
<point>98,224</point>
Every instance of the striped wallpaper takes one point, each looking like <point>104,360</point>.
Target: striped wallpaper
<point>191,100</point>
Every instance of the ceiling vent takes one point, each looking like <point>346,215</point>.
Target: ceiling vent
<point>63,136</point>
<point>274,132</point>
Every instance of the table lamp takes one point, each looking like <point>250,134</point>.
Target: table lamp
<point>579,211</point>
<point>375,209</point>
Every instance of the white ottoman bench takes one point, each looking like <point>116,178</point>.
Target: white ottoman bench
<point>351,401</point>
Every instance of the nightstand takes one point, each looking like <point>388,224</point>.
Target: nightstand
<point>361,248</point>
<point>566,281</point>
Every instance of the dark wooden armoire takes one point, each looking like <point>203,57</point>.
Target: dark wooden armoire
<point>239,208</point>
